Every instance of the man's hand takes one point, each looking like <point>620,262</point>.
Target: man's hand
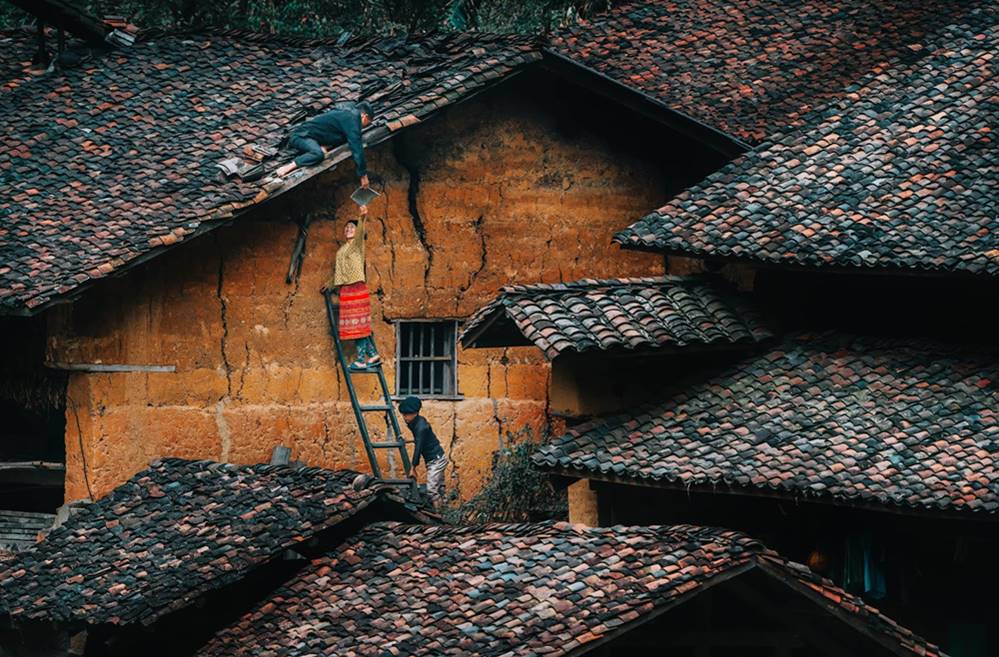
<point>364,181</point>
<point>326,151</point>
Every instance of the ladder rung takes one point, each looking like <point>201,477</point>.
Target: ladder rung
<point>376,408</point>
<point>366,370</point>
<point>387,445</point>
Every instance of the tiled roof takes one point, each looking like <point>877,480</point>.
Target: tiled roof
<point>750,68</point>
<point>900,173</point>
<point>630,313</point>
<point>889,423</point>
<point>105,163</point>
<point>174,531</point>
<point>20,529</point>
<point>510,590</point>
<point>18,47</point>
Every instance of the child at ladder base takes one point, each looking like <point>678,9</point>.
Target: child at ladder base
<point>354,321</point>
<point>426,447</point>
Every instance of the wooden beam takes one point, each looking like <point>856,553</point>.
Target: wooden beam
<point>69,16</point>
<point>621,630</point>
<point>832,608</point>
<point>108,367</point>
<point>722,488</point>
<point>820,640</point>
<point>33,473</point>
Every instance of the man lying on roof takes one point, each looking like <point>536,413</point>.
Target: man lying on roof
<point>320,134</point>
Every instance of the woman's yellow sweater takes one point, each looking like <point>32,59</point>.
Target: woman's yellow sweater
<point>349,266</point>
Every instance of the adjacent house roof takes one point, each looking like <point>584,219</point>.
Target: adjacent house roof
<point>750,68</point>
<point>175,531</point>
<point>108,163</point>
<point>20,529</point>
<point>628,313</point>
<point>899,173</point>
<point>552,589</point>
<point>18,47</point>
<point>895,424</point>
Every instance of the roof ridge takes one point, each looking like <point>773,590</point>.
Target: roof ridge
<point>583,283</point>
<point>683,531</point>
<point>351,44</point>
<point>250,467</point>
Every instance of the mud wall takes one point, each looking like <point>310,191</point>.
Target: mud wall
<point>496,190</point>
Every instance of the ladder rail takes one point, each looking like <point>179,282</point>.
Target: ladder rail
<point>407,467</point>
<point>396,441</point>
<point>355,404</point>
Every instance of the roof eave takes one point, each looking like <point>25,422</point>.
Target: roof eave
<point>794,266</point>
<point>722,488</point>
<point>719,141</point>
<point>226,213</point>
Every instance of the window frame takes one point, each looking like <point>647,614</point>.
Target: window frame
<point>455,395</point>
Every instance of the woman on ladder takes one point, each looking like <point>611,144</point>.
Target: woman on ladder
<point>354,321</point>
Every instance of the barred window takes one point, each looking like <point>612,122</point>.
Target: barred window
<point>426,358</point>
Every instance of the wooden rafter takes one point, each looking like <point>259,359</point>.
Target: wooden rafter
<point>67,15</point>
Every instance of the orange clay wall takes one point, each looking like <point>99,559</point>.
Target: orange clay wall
<point>502,196</point>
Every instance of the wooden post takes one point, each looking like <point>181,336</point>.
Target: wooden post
<point>583,504</point>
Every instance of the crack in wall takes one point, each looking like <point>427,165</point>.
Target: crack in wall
<point>243,370</point>
<point>289,300</point>
<point>325,444</point>
<point>224,316</point>
<point>495,403</point>
<point>83,452</point>
<point>383,222</point>
<point>455,475</point>
<point>412,194</point>
<point>477,226</point>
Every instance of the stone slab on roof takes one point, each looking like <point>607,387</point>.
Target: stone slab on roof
<point>901,173</point>
<point>526,589</point>
<point>894,424</point>
<point>116,159</point>
<point>750,68</point>
<point>629,314</point>
<point>176,530</point>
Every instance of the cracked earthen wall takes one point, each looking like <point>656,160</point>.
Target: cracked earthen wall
<point>505,194</point>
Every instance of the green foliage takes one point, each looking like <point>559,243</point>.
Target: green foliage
<point>515,492</point>
<point>331,18</point>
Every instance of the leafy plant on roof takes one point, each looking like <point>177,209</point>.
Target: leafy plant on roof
<point>515,491</point>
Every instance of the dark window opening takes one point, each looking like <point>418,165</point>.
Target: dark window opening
<point>426,358</point>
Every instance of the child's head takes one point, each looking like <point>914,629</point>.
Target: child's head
<point>410,408</point>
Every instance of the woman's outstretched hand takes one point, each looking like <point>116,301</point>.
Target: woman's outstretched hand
<point>363,210</point>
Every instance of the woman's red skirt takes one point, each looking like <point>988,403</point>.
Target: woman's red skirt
<point>355,311</point>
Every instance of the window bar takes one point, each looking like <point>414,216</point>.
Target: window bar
<point>433,352</point>
<point>418,362</point>
<point>409,389</point>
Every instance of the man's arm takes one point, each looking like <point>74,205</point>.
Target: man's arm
<point>356,143</point>
<point>418,447</point>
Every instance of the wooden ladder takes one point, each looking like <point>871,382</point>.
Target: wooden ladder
<point>393,439</point>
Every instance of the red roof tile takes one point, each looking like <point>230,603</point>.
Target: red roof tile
<point>102,163</point>
<point>750,67</point>
<point>175,531</point>
<point>899,173</point>
<point>511,590</point>
<point>629,313</point>
<point>890,423</point>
